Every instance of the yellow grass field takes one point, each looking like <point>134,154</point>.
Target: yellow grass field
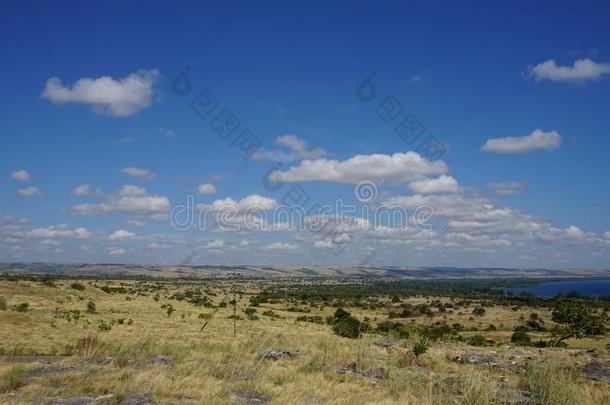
<point>130,350</point>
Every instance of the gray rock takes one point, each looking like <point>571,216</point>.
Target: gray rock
<point>249,397</point>
<point>384,343</point>
<point>136,398</point>
<point>81,400</point>
<point>597,371</point>
<point>161,361</point>
<point>278,354</point>
<point>43,371</point>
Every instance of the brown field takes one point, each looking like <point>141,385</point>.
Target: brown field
<point>144,354</point>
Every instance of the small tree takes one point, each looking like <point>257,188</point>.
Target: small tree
<point>91,307</point>
<point>478,311</point>
<point>421,347</point>
<point>77,286</point>
<point>521,337</point>
<point>576,320</point>
<point>345,325</point>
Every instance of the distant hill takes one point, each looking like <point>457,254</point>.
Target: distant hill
<point>181,271</point>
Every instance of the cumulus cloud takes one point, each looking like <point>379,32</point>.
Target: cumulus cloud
<point>62,231</point>
<point>251,202</point>
<point>281,246</point>
<point>121,234</point>
<point>581,71</point>
<point>399,167</point>
<point>81,191</point>
<point>295,148</point>
<point>105,95</point>
<point>138,172</point>
<point>21,175</point>
<point>506,187</point>
<point>117,251</point>
<point>442,184</point>
<point>214,245</point>
<point>537,140</point>
<point>128,200</point>
<point>206,189</point>
<point>29,192</point>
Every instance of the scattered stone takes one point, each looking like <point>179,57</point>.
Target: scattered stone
<point>43,371</point>
<point>384,343</point>
<point>161,361</point>
<point>470,358</point>
<point>136,398</point>
<point>81,400</point>
<point>374,373</point>
<point>422,370</point>
<point>249,397</point>
<point>315,399</point>
<point>278,354</point>
<point>597,371</point>
<point>31,359</point>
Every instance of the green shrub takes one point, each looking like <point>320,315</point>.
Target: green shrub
<point>521,337</point>
<point>477,340</point>
<point>345,325</point>
<point>478,311</point>
<point>77,286</point>
<point>421,347</point>
<point>3,304</point>
<point>12,380</point>
<point>103,326</point>
<point>23,307</point>
<point>91,307</point>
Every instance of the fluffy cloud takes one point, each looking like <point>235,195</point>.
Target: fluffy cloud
<point>21,175</point>
<point>117,251</point>
<point>62,231</point>
<point>137,172</point>
<point>121,234</point>
<point>442,184</point>
<point>537,140</point>
<point>206,189</point>
<point>281,246</point>
<point>29,192</point>
<point>251,202</point>
<point>399,167</point>
<point>506,187</point>
<point>105,95</point>
<point>296,149</point>
<point>583,70</point>
<point>128,200</point>
<point>81,191</point>
<point>214,244</point>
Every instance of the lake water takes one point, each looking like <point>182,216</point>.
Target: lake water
<point>591,288</point>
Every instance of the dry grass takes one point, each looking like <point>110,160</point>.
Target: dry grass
<point>207,367</point>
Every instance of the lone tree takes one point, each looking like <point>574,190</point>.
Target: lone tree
<point>345,325</point>
<point>576,320</point>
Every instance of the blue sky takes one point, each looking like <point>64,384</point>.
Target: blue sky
<point>88,98</point>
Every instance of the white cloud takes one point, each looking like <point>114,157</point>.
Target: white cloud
<point>135,222</point>
<point>29,192</point>
<point>281,246</point>
<point>297,149</point>
<point>62,231</point>
<point>206,189</point>
<point>214,244</point>
<point>117,251</point>
<point>574,232</point>
<point>105,95</point>
<point>121,234</point>
<point>129,200</point>
<point>506,187</point>
<point>137,172</point>
<point>251,202</point>
<point>81,191</point>
<point>21,175</point>
<point>582,71</point>
<point>399,167</point>
<point>537,140</point>
<point>442,184</point>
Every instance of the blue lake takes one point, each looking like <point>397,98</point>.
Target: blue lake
<point>591,288</point>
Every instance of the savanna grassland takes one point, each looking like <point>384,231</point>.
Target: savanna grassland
<point>297,341</point>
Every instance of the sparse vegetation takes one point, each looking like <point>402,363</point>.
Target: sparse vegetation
<point>338,334</point>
